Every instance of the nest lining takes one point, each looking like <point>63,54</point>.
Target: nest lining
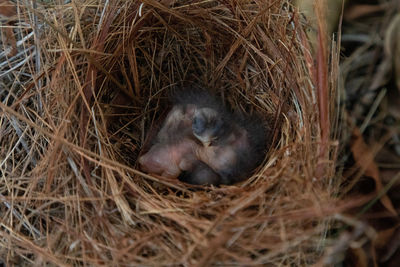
<point>99,106</point>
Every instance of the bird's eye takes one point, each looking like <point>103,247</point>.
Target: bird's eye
<point>198,124</point>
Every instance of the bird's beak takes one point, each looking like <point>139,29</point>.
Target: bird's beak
<point>207,143</point>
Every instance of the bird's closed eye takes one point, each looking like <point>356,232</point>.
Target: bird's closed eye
<point>198,124</point>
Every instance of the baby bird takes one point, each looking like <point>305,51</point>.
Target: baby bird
<point>232,144</point>
<point>202,143</point>
<point>166,159</point>
<point>233,154</point>
<point>200,174</point>
<point>171,145</point>
<point>174,151</point>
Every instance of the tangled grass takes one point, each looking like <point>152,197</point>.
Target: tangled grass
<point>87,85</point>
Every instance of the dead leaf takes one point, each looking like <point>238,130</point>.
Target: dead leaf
<point>9,34</point>
<point>330,19</point>
<point>388,241</point>
<point>359,257</point>
<point>355,11</point>
<point>365,160</point>
<point>7,9</point>
<point>383,237</point>
<point>392,245</point>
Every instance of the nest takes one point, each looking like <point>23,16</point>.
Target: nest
<point>72,130</point>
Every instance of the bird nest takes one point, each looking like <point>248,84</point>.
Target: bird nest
<point>73,127</point>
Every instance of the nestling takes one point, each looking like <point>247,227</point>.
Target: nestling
<point>233,143</point>
<point>203,143</point>
<point>174,150</point>
<point>236,149</point>
<point>171,145</point>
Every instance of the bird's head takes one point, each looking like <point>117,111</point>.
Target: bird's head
<point>208,126</point>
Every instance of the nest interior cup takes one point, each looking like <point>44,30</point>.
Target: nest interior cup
<point>234,50</point>
<point>102,107</point>
<point>247,53</point>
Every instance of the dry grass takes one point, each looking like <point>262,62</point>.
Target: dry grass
<point>89,82</point>
<point>370,74</point>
